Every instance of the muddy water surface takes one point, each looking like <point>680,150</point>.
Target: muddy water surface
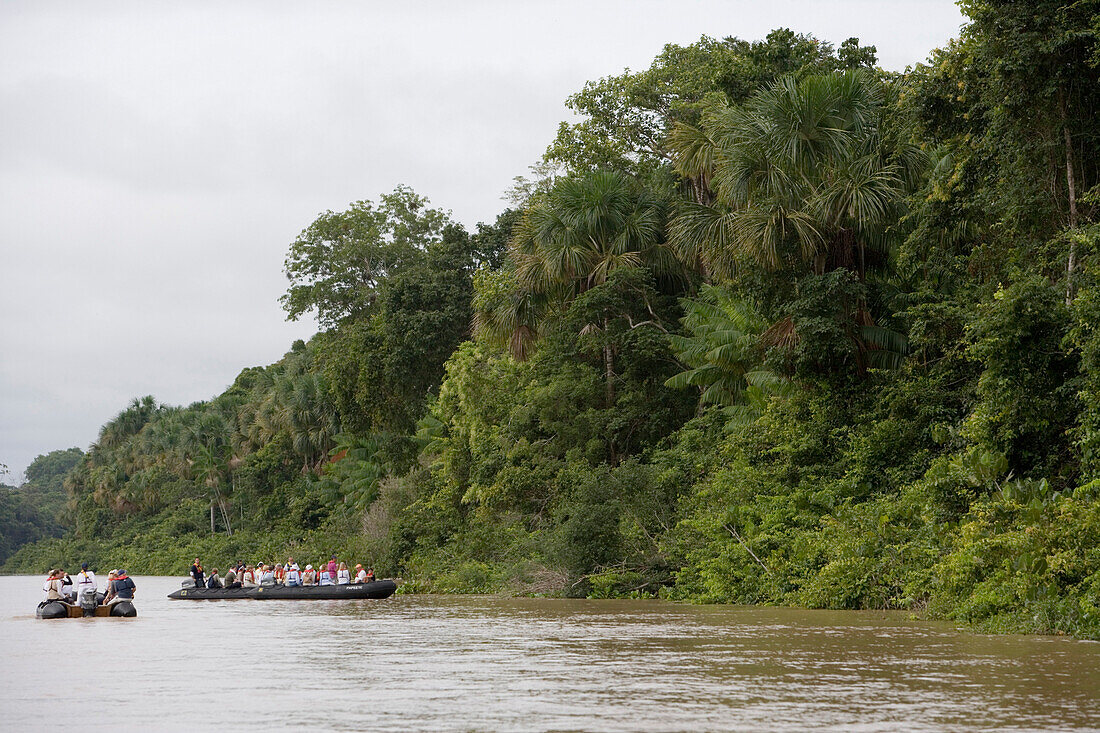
<point>485,663</point>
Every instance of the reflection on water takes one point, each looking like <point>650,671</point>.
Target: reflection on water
<point>485,663</point>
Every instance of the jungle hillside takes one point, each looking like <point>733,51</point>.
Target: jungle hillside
<point>767,324</point>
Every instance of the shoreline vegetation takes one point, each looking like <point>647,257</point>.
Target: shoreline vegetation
<point>768,325</point>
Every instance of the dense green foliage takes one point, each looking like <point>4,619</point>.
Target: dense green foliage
<point>627,117</point>
<point>787,329</point>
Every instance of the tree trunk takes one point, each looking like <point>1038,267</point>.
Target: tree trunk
<point>225,517</point>
<point>211,516</point>
<point>609,367</point>
<point>1071,190</point>
<point>240,504</point>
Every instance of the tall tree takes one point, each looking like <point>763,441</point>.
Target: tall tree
<point>808,171</point>
<point>381,370</point>
<point>1015,104</point>
<point>337,264</point>
<point>570,241</point>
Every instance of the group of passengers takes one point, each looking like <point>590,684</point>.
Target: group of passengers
<point>60,586</point>
<point>242,575</point>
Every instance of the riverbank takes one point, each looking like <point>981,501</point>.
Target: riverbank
<point>142,556</point>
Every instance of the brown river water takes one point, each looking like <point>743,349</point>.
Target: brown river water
<point>484,663</point>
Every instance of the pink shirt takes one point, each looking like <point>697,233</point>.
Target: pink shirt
<point>332,568</point>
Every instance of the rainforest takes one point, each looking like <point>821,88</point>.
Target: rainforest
<point>768,324</point>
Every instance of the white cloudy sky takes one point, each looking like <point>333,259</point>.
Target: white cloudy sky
<point>156,159</point>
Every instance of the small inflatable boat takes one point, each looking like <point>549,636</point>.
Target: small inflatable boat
<point>62,609</point>
<point>375,589</point>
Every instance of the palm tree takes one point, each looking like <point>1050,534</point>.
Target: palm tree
<point>723,348</point>
<point>260,418</point>
<point>724,354</point>
<point>210,464</point>
<point>809,171</point>
<point>354,470</point>
<point>569,241</point>
<point>163,440</point>
<point>128,423</point>
<point>202,441</point>
<point>305,409</point>
<point>505,313</point>
<point>585,229</point>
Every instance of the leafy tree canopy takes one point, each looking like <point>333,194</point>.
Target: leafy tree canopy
<point>628,116</point>
<point>337,264</point>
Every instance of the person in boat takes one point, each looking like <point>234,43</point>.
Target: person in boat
<point>112,576</point>
<point>309,577</point>
<point>85,581</point>
<point>231,578</point>
<point>327,577</point>
<point>293,574</point>
<point>360,574</point>
<point>343,575</point>
<point>268,576</point>
<point>52,588</point>
<point>280,574</point>
<point>332,567</point>
<point>370,575</point>
<point>121,588</point>
<point>197,574</point>
<point>66,585</point>
<point>248,577</point>
<point>214,581</point>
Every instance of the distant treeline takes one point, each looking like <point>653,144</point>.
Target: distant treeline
<point>36,510</point>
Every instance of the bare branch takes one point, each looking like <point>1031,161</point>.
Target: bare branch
<point>653,323</point>
<point>729,528</point>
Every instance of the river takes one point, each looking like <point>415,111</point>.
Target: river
<point>474,663</point>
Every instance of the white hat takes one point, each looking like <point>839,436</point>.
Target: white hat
<point>309,567</point>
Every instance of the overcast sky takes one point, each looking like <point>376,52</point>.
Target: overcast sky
<point>156,160</point>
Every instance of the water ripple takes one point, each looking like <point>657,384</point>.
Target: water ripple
<point>482,663</point>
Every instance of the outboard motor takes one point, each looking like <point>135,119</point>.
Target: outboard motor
<point>187,583</point>
<point>88,601</point>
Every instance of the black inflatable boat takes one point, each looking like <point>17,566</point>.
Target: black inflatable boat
<point>62,609</point>
<point>375,589</point>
